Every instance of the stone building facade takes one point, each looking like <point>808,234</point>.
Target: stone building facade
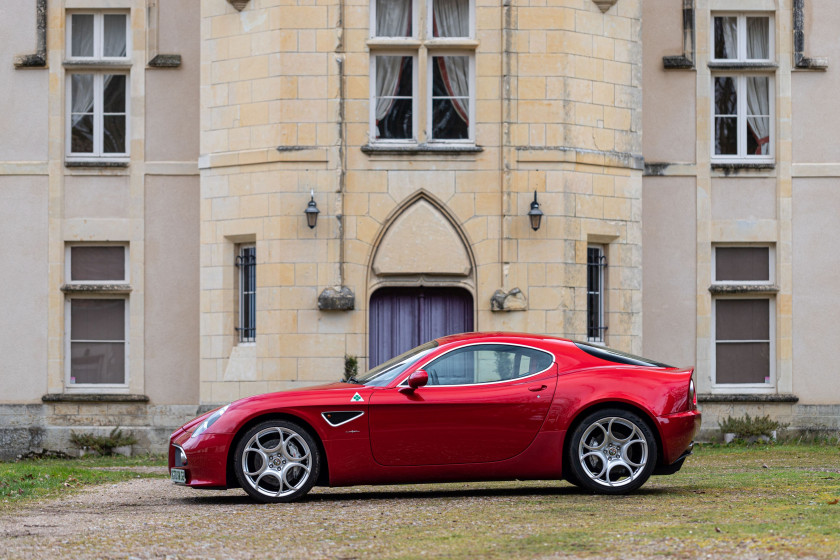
<point>422,132</point>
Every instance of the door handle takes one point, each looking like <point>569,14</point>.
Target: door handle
<point>536,388</point>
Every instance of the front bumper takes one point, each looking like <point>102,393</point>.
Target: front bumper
<point>206,465</point>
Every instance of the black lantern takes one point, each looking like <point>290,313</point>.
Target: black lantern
<point>535,215</point>
<point>311,212</point>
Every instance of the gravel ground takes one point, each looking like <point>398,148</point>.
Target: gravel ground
<point>152,518</point>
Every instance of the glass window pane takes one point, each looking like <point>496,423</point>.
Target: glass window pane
<point>114,43</point>
<point>742,319</point>
<point>97,362</point>
<point>81,134</point>
<point>742,363</point>
<point>97,263</point>
<point>393,18</point>
<point>81,86</point>
<point>451,94</point>
<point>451,18</point>
<point>97,319</point>
<point>726,96</point>
<point>726,37</point>
<point>81,43</point>
<point>113,137</point>
<point>758,38</point>
<point>114,97</point>
<point>486,363</point>
<point>751,264</point>
<point>726,136</point>
<point>394,91</point>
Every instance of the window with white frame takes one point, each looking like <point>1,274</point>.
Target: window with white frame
<point>97,65</point>
<point>437,104</point>
<point>246,263</point>
<point>596,264</point>
<point>743,100</point>
<point>96,316</point>
<point>743,316</point>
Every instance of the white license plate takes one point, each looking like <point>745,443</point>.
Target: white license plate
<point>178,476</point>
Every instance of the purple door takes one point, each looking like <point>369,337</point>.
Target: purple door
<point>402,318</point>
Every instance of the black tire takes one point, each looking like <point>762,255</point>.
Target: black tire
<point>612,451</point>
<point>271,459</point>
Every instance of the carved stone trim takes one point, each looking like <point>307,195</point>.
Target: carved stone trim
<point>93,397</point>
<point>605,5</point>
<point>719,289</point>
<point>513,300</point>
<point>96,288</point>
<point>39,59</point>
<point>238,4</point>
<point>801,61</point>
<point>747,397</point>
<point>684,61</point>
<point>166,61</point>
<point>337,299</point>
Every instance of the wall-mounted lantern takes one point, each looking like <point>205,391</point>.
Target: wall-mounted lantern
<point>311,212</point>
<point>535,214</point>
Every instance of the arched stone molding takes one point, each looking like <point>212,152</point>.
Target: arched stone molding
<point>430,265</point>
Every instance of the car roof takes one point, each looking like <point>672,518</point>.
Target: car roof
<point>498,335</point>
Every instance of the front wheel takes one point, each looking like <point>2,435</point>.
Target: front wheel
<point>277,461</point>
<point>612,451</point>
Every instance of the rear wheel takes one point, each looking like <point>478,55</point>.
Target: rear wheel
<point>612,451</point>
<point>277,461</point>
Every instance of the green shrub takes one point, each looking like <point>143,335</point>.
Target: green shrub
<point>748,426</point>
<point>351,366</point>
<point>104,445</point>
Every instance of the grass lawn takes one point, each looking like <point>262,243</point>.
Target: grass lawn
<point>727,501</point>
<point>39,478</point>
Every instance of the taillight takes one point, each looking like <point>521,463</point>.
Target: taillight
<point>692,396</point>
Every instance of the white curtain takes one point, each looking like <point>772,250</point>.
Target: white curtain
<point>82,96</point>
<point>758,88</point>
<point>114,36</point>
<point>393,19</point>
<point>730,36</point>
<point>452,19</point>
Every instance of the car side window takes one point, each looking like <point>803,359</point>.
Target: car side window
<point>486,363</point>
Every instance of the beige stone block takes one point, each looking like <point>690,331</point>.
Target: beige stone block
<point>531,88</point>
<point>276,274</point>
<point>299,17</point>
<point>544,65</point>
<point>587,68</point>
<point>588,206</point>
<point>616,208</point>
<point>542,112</point>
<point>603,94</point>
<point>367,229</point>
<point>617,27</point>
<point>240,92</point>
<point>253,114</point>
<point>546,18</point>
<point>277,369</point>
<point>299,64</point>
<point>307,134</point>
<point>603,185</point>
<point>603,47</point>
<point>569,42</point>
<point>617,73</point>
<point>225,26</point>
<point>366,181</point>
<point>587,114</point>
<point>616,118</point>
<point>321,369</point>
<point>312,87</point>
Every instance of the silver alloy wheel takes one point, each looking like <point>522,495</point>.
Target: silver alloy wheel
<point>613,451</point>
<point>276,462</point>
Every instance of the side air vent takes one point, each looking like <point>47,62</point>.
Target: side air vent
<point>340,417</point>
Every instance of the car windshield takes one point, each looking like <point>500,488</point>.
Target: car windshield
<point>386,372</point>
<point>618,356</point>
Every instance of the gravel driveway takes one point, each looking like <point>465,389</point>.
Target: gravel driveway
<point>152,518</point>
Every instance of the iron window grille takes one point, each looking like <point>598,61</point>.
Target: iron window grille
<point>246,262</point>
<point>596,264</point>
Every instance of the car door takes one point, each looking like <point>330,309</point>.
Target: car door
<point>484,402</point>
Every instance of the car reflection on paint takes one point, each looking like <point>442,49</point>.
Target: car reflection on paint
<point>470,407</point>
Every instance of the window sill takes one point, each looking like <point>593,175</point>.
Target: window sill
<point>441,149</point>
<point>93,397</point>
<point>746,398</point>
<point>96,163</point>
<point>96,288</point>
<point>722,289</point>
<point>98,64</point>
<point>743,66</point>
<point>728,167</point>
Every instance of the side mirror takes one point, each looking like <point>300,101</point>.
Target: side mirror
<point>415,381</point>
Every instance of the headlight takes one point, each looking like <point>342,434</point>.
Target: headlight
<point>209,422</point>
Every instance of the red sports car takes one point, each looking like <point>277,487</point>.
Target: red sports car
<point>477,406</point>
